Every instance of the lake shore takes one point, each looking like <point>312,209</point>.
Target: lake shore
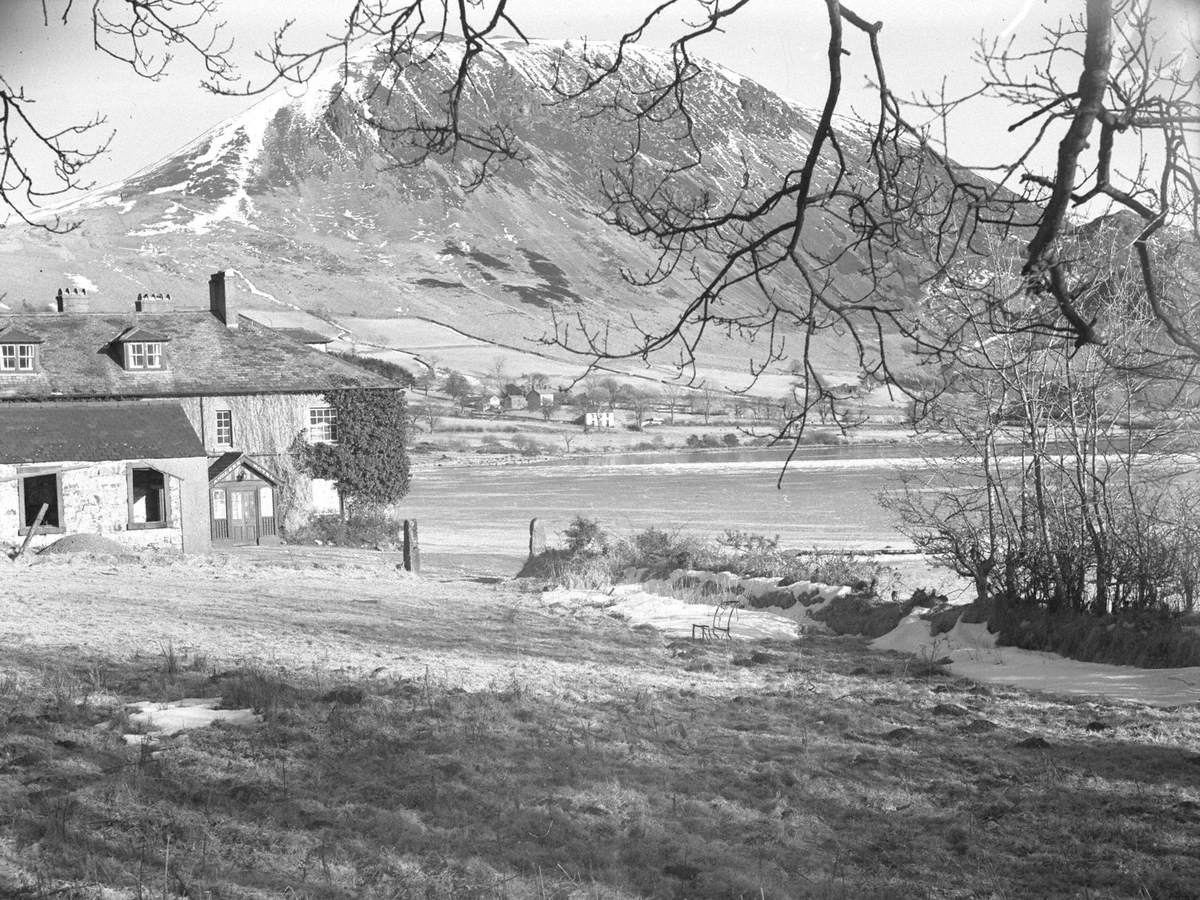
<point>441,457</point>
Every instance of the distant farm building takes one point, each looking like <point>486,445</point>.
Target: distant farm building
<point>601,418</point>
<point>539,399</point>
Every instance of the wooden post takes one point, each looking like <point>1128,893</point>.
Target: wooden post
<point>537,538</point>
<point>412,547</point>
<point>33,529</point>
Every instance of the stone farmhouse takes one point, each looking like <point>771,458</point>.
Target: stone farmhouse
<point>161,426</point>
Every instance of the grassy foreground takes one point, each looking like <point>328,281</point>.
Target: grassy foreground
<point>459,739</point>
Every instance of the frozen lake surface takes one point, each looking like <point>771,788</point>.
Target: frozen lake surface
<point>827,499</point>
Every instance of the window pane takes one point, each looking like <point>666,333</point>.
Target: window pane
<point>153,356</point>
<point>322,422</point>
<point>225,427</point>
<point>149,496</point>
<point>218,505</point>
<point>8,356</point>
<point>25,357</point>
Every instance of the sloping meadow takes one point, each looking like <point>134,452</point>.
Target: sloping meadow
<point>598,760</point>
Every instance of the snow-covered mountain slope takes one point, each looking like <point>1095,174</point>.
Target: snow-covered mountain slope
<point>301,197</point>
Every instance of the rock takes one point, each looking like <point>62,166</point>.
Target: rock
<point>1096,726</point>
<point>978,726</point>
<point>950,709</point>
<point>1033,743</point>
<point>776,597</point>
<point>899,734</point>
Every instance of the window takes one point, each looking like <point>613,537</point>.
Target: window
<point>322,424</point>
<point>143,355</point>
<point>149,501</point>
<point>17,357</point>
<point>36,491</point>
<point>224,428</point>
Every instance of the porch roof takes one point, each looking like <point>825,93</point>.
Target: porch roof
<point>218,467</point>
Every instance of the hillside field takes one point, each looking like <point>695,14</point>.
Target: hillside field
<point>471,737</point>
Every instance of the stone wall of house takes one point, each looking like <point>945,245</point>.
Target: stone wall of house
<point>95,500</point>
<point>264,427</point>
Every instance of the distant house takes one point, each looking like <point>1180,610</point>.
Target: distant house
<point>539,399</point>
<point>488,403</point>
<point>601,418</point>
<point>512,398</point>
<point>134,472</point>
<point>247,391</point>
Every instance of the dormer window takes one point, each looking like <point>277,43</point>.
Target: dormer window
<point>18,357</point>
<point>18,351</point>
<point>142,350</point>
<point>143,355</point>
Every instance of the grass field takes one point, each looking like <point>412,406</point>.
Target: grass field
<point>466,738</point>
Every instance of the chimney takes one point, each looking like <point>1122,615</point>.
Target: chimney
<point>217,302</point>
<point>72,300</point>
<point>152,303</point>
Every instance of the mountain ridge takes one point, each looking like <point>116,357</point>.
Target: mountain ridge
<point>300,196</point>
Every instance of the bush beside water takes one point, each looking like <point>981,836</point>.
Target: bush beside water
<point>592,557</point>
<point>360,530</point>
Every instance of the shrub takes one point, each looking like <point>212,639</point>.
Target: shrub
<point>585,537</point>
<point>366,529</point>
<point>378,366</point>
<point>528,446</point>
<point>730,440</point>
<point>659,550</point>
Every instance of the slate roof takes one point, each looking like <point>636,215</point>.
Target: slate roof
<point>142,334</point>
<point>206,358</point>
<point>94,432</point>
<point>306,335</point>
<point>10,334</point>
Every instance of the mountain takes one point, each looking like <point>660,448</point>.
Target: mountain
<point>301,200</point>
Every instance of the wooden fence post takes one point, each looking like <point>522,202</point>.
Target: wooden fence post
<point>537,538</point>
<point>33,529</point>
<point>412,547</point>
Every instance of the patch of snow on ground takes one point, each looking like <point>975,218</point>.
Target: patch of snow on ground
<point>675,618</point>
<point>974,655</point>
<point>166,719</point>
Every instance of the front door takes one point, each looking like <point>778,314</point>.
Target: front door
<point>243,516</point>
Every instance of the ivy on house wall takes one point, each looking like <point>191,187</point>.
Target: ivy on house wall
<point>369,461</point>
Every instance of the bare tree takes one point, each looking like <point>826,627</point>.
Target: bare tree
<point>639,401</point>
<point>40,163</point>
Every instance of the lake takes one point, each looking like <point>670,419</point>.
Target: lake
<point>827,499</point>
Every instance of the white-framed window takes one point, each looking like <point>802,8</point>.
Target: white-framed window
<point>143,355</point>
<point>322,424</point>
<point>18,357</point>
<point>224,428</point>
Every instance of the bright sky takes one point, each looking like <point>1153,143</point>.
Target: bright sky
<point>924,41</point>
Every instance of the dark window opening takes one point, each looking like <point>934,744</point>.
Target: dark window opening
<point>148,497</point>
<point>35,491</point>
